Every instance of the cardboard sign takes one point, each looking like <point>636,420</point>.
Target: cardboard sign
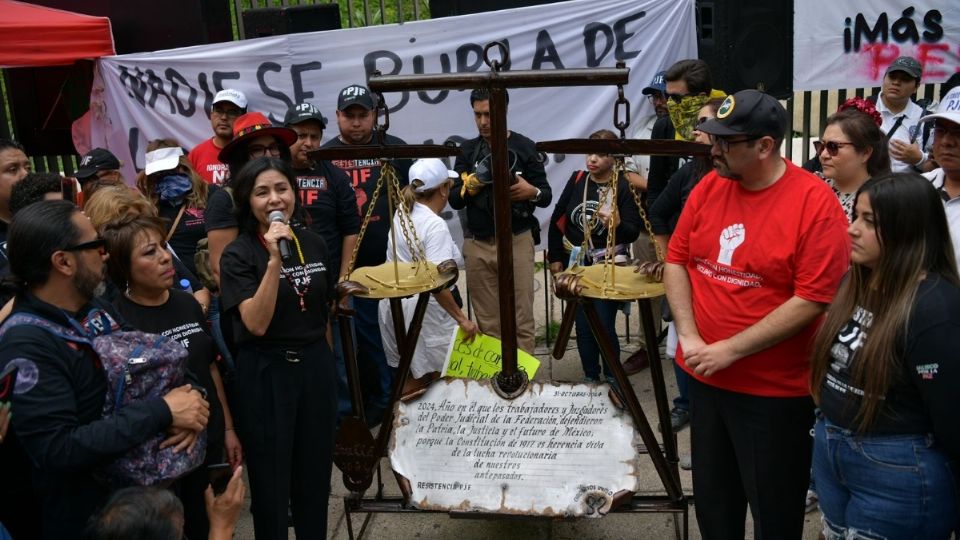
<point>481,358</point>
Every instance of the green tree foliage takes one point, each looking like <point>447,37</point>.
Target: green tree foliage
<point>353,13</point>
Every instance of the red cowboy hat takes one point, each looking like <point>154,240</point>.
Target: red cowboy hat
<point>254,124</point>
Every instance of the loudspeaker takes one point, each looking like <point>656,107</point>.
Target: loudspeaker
<point>449,8</point>
<point>748,44</point>
<point>290,20</point>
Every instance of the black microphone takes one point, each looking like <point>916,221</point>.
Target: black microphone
<point>282,243</point>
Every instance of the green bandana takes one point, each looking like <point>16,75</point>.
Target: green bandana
<point>684,115</point>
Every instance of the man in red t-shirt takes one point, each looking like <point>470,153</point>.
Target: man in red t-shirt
<point>757,255</point>
<point>228,104</point>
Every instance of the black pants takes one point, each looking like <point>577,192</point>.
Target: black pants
<point>287,412</point>
<point>749,449</point>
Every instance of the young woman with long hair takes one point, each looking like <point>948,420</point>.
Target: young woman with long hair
<point>885,371</point>
<point>180,195</point>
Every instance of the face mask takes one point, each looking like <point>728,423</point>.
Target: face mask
<point>173,187</point>
<point>684,115</point>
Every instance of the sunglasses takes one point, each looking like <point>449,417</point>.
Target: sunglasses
<point>677,98</point>
<point>227,113</point>
<point>832,147</point>
<point>96,243</point>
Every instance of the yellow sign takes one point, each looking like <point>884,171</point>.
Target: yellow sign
<point>480,358</point>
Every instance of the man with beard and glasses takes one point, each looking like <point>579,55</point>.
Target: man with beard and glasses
<point>57,261</point>
<point>756,257</point>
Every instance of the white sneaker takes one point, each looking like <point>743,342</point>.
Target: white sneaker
<point>811,501</point>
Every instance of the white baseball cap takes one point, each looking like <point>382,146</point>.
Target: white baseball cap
<point>233,96</point>
<point>949,108</point>
<point>431,171</point>
<point>163,159</point>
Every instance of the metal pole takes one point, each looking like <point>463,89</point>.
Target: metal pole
<point>511,79</point>
<point>667,473</point>
<point>504,230</point>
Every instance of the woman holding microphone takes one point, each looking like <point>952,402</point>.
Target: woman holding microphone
<point>276,288</point>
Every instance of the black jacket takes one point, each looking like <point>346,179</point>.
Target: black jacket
<point>570,211</point>
<point>665,211</point>
<point>480,206</point>
<point>59,421</point>
<point>661,167</point>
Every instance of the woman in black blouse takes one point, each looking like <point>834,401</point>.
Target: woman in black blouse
<point>143,268</point>
<point>586,209</point>
<point>286,385</point>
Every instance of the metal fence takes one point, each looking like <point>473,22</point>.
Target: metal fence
<point>807,112</point>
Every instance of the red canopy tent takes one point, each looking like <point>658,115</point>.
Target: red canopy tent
<point>32,35</point>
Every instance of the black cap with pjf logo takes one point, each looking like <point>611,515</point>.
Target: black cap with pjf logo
<point>301,112</point>
<point>96,160</point>
<point>356,95</point>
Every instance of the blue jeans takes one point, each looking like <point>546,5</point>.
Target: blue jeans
<point>895,486</point>
<point>587,344</point>
<point>682,401</point>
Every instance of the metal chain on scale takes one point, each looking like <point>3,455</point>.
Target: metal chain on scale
<point>388,176</point>
<point>623,104</point>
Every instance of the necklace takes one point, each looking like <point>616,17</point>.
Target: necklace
<point>301,292</point>
<point>159,301</point>
<point>603,196</point>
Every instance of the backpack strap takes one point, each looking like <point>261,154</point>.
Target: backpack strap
<point>176,222</point>
<point>24,319</point>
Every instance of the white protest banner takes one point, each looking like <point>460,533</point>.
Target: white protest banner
<point>847,44</point>
<point>138,97</point>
